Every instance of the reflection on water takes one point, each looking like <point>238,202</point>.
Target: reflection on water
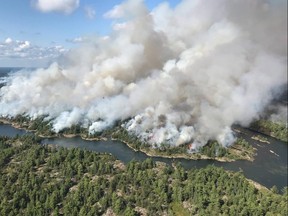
<point>267,168</point>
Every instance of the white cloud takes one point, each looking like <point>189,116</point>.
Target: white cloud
<point>64,6</point>
<point>23,45</point>
<point>8,40</point>
<point>115,13</point>
<point>77,40</point>
<point>24,49</point>
<point>90,12</point>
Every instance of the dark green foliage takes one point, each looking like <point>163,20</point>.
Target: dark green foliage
<point>40,125</point>
<point>42,180</point>
<point>277,130</point>
<point>43,127</point>
<point>243,143</point>
<point>213,149</point>
<point>123,135</point>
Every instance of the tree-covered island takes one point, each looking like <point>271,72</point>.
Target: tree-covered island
<point>240,150</point>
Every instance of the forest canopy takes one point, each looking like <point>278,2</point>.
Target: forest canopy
<point>43,180</point>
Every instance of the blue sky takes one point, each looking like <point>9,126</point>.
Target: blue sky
<point>34,32</point>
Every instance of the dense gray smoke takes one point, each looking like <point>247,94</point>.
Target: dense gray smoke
<point>278,114</point>
<point>183,74</point>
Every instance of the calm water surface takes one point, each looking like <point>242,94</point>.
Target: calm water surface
<point>269,167</point>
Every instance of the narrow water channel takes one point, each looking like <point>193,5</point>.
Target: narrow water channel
<point>269,167</point>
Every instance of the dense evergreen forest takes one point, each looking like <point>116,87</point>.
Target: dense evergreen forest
<point>45,180</point>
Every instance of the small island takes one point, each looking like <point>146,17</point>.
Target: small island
<point>260,139</point>
<point>240,150</point>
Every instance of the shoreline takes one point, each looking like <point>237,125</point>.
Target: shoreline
<point>148,152</point>
<point>179,156</point>
<point>258,185</point>
<point>260,139</point>
<point>268,134</point>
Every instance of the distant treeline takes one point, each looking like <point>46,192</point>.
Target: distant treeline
<point>43,180</point>
<point>277,130</point>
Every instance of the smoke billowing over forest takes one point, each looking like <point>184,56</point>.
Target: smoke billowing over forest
<point>183,74</point>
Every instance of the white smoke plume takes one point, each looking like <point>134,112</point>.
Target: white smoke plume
<point>279,114</point>
<point>182,74</point>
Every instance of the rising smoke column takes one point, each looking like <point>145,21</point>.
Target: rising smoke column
<point>182,74</point>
